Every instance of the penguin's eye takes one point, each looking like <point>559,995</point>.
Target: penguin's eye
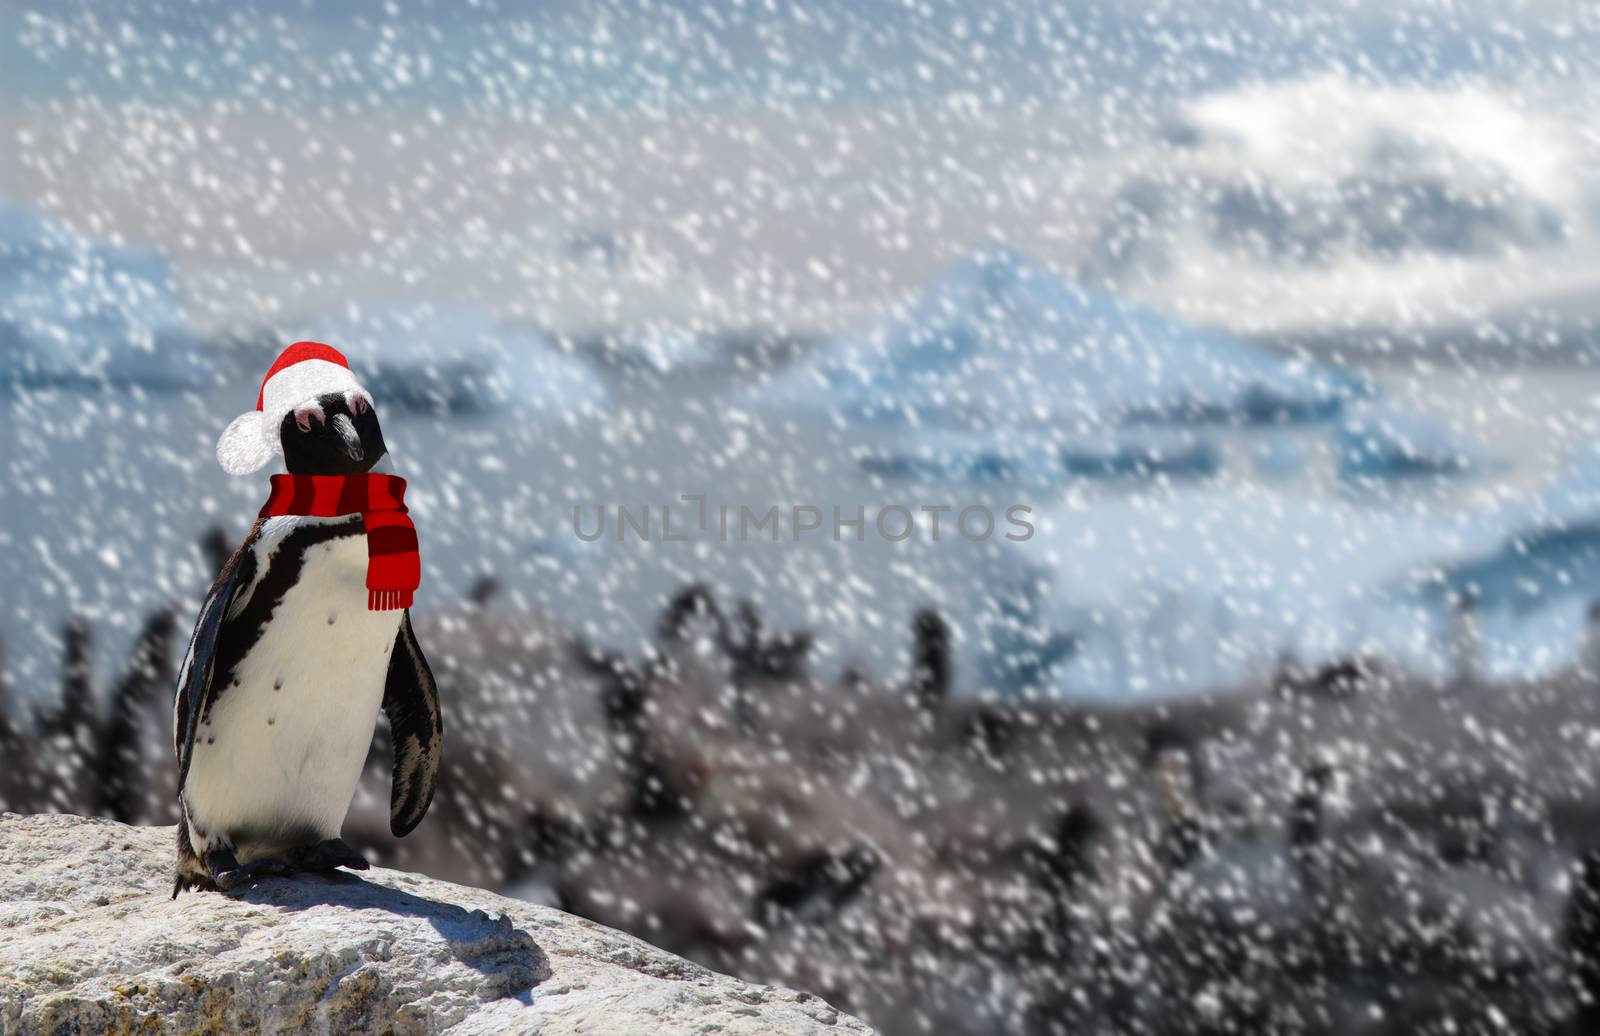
<point>358,404</point>
<point>308,417</point>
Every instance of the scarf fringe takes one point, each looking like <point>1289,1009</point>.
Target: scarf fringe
<point>387,600</point>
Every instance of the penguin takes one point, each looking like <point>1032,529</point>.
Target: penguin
<point>279,692</point>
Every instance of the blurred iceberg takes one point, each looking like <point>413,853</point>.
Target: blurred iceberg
<point>999,340</point>
<point>942,455</point>
<point>1385,443</point>
<point>1547,553</point>
<point>659,346</point>
<point>1203,588</point>
<point>444,359</point>
<point>1143,453</point>
<point>1034,459</point>
<point>1278,457</point>
<point>1571,501</point>
<point>1202,583</point>
<point>76,311</point>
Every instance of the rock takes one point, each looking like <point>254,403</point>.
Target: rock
<point>90,941</point>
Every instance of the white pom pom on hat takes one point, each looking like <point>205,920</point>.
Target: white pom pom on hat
<point>244,447</point>
<point>302,372</point>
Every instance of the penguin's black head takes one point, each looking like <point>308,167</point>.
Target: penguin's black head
<point>334,434</point>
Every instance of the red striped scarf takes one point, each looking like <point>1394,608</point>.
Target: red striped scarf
<point>394,568</point>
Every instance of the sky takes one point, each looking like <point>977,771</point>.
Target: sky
<point>574,165</point>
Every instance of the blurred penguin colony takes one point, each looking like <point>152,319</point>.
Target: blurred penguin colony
<point>1338,850</point>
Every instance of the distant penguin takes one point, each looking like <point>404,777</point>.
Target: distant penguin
<point>127,733</point>
<point>1466,636</point>
<point>1583,943</point>
<point>930,675</point>
<point>10,728</point>
<point>304,636</point>
<point>73,720</point>
<point>1590,656</point>
<point>1306,832</point>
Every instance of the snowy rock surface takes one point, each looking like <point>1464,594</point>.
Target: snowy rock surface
<point>91,942</point>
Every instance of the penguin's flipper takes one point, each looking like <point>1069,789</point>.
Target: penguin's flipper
<point>199,664</point>
<point>411,701</point>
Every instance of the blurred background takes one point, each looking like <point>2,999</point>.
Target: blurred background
<point>1276,322</point>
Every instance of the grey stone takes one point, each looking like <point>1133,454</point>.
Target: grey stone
<point>91,942</point>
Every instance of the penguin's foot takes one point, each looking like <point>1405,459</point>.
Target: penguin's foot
<point>220,860</point>
<point>227,872</point>
<point>331,855</point>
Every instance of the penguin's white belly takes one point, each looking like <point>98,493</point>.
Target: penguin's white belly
<point>278,763</point>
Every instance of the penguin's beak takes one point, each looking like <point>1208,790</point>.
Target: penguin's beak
<point>349,438</point>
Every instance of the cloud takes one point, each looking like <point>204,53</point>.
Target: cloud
<point>1323,203</point>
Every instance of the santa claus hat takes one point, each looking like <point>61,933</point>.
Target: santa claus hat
<point>300,374</point>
